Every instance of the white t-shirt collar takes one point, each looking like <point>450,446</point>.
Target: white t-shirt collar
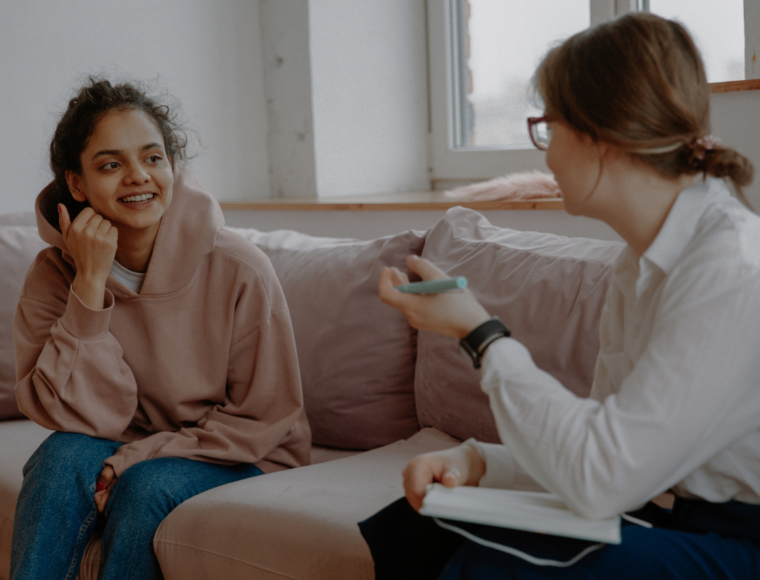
<point>128,278</point>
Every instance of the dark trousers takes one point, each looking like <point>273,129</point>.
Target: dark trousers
<point>696,540</point>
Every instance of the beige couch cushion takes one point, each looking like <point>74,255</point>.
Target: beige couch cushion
<point>290,524</point>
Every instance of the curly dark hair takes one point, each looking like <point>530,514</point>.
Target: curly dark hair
<point>91,103</point>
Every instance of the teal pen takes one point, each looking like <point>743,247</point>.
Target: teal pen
<point>434,286</point>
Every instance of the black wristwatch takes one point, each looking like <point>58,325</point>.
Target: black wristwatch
<point>474,345</point>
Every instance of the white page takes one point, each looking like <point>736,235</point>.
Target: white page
<point>520,510</point>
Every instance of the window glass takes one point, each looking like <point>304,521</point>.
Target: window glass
<point>506,41</point>
<point>717,27</point>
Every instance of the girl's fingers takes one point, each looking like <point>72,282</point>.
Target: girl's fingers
<point>64,220</point>
<point>107,232</point>
<point>106,475</point>
<point>94,223</point>
<point>104,227</point>
<point>101,499</point>
<point>104,484</point>
<point>84,217</point>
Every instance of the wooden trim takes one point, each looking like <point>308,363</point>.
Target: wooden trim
<point>731,86</point>
<point>416,201</point>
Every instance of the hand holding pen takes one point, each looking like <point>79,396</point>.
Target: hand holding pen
<point>453,314</point>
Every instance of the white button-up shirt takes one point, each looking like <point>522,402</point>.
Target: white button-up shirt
<point>675,401</point>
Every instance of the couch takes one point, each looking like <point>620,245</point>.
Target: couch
<point>376,391</point>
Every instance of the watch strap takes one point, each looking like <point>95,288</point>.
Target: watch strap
<point>475,344</point>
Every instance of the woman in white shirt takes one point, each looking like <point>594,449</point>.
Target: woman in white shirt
<point>675,403</point>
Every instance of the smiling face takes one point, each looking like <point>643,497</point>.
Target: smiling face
<point>126,174</point>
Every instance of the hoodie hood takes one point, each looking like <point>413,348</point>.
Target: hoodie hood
<point>187,234</point>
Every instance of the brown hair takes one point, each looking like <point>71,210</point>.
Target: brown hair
<point>91,103</point>
<point>638,82</point>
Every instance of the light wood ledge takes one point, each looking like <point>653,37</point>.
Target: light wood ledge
<point>731,86</point>
<point>412,201</point>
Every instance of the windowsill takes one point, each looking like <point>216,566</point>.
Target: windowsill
<point>731,86</point>
<point>427,200</point>
<point>412,201</point>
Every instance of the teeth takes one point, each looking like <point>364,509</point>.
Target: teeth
<point>137,198</point>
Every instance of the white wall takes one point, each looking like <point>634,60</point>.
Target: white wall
<point>368,106</point>
<point>206,54</point>
<point>369,93</point>
<point>736,121</point>
<point>346,88</point>
<point>288,90</point>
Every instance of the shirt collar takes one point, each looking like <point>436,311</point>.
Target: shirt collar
<point>681,224</point>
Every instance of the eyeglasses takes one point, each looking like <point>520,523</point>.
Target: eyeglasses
<point>540,132</point>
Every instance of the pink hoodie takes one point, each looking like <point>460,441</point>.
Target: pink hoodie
<point>201,364</point>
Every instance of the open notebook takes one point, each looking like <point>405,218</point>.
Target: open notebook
<point>521,510</point>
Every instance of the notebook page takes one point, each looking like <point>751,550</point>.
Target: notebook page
<point>521,510</point>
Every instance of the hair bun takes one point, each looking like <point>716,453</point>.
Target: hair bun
<point>724,162</point>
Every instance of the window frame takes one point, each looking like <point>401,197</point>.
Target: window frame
<point>450,166</point>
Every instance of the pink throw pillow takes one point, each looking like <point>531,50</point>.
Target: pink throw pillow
<point>18,247</point>
<point>356,354</point>
<point>549,290</point>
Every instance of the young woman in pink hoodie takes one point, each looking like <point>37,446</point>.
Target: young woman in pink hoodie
<point>156,344</point>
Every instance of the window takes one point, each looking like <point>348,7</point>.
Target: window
<point>717,29</point>
<point>482,54</point>
<point>503,43</point>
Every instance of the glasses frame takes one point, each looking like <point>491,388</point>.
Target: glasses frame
<point>532,121</point>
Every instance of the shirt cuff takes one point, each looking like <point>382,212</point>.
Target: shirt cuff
<point>505,358</point>
<point>84,323</point>
<point>500,467</point>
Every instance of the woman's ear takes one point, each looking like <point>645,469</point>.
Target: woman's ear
<point>74,181</point>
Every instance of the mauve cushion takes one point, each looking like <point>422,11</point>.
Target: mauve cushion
<point>549,290</point>
<point>18,247</point>
<point>356,354</point>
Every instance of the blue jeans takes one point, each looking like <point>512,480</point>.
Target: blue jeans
<point>56,514</point>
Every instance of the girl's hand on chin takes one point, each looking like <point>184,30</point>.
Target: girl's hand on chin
<point>91,241</point>
<point>454,313</point>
